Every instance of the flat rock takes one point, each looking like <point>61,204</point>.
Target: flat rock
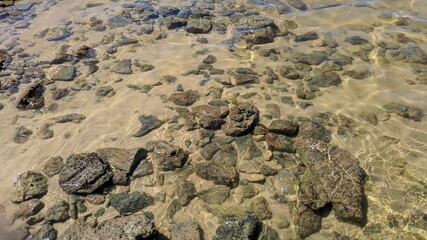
<point>286,127</point>
<point>247,148</point>
<point>58,212</point>
<point>239,228</point>
<point>257,30</point>
<point>198,25</point>
<point>186,98</point>
<point>210,117</point>
<point>314,130</point>
<point>71,117</point>
<point>125,160</point>
<point>84,173</point>
<point>167,156</point>
<point>240,120</point>
<point>215,195</point>
<point>53,166</point>
<point>412,113</point>
<point>217,172</point>
<point>306,221</point>
<point>128,203</point>
<point>29,185</point>
<point>32,98</point>
<point>22,134</point>
<point>148,124</point>
<point>276,142</point>
<point>185,191</point>
<point>128,227</point>
<point>308,36</point>
<point>185,231</point>
<point>313,58</point>
<point>298,4</point>
<point>64,73</point>
<point>123,67</point>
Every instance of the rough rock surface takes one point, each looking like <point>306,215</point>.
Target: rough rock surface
<point>405,111</point>
<point>128,203</point>
<point>148,124</point>
<point>185,231</point>
<point>29,185</point>
<point>125,160</point>
<point>210,117</point>
<point>53,166</point>
<point>32,98</point>
<point>240,120</point>
<point>257,30</point>
<point>84,173</point>
<point>167,156</point>
<point>186,98</point>
<point>217,172</point>
<point>242,228</point>
<point>199,25</point>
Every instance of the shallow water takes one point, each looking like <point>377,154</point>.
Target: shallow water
<point>393,151</point>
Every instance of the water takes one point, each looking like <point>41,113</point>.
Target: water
<point>393,151</point>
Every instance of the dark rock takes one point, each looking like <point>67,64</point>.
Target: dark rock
<point>199,25</point>
<point>19,233</point>
<point>357,74</point>
<point>298,4</point>
<point>173,208</point>
<point>218,172</point>
<point>308,36</point>
<point>22,134</point>
<point>32,98</point>
<point>145,168</point>
<point>210,59</point>
<point>356,40</point>
<point>324,79</point>
<point>58,212</point>
<point>405,111</point>
<point>120,178</point>
<point>185,231</point>
<point>306,221</point>
<point>290,73</point>
<point>314,58</point>
<point>128,227</point>
<point>53,166</point>
<point>44,132</point>
<point>167,156</point>
<point>45,232</point>
<point>29,185</point>
<point>125,160</point>
<point>172,22</point>
<point>240,120</point>
<point>146,67</point>
<point>215,195</point>
<point>148,124</point>
<point>59,93</point>
<point>276,142</point>
<point>247,148</point>
<point>64,73</point>
<point>71,117</point>
<point>83,51</point>
<point>210,117</point>
<point>286,127</point>
<point>27,209</point>
<point>123,67</point>
<point>185,98</point>
<point>257,30</point>
<point>239,228</point>
<point>335,178</point>
<point>261,208</point>
<point>314,130</point>
<point>128,203</point>
<point>104,91</point>
<point>84,173</point>
<point>185,191</point>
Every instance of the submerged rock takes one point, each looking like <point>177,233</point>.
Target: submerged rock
<point>298,4</point>
<point>185,98</point>
<point>45,232</point>
<point>314,130</point>
<point>405,111</point>
<point>240,120</point>
<point>210,117</point>
<point>27,209</point>
<point>167,156</point>
<point>125,160</point>
<point>84,173</point>
<point>215,195</point>
<point>123,67</point>
<point>32,98</point>
<point>64,73</point>
<point>185,191</point>
<point>306,221</point>
<point>218,172</point>
<point>129,227</point>
<point>239,228</point>
<point>29,185</point>
<point>198,25</point>
<point>58,212</point>
<point>286,127</point>
<point>22,134</point>
<point>128,203</point>
<point>53,166</point>
<point>185,231</point>
<point>276,142</point>
<point>257,30</point>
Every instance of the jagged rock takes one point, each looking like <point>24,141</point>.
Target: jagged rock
<point>185,191</point>
<point>128,203</point>
<point>240,120</point>
<point>29,185</point>
<point>334,176</point>
<point>185,98</point>
<point>217,172</point>
<point>145,168</point>
<point>32,98</point>
<point>405,111</point>
<point>53,166</point>
<point>84,173</point>
<point>148,124</point>
<point>167,156</point>
<point>257,30</point>
<point>239,228</point>
<point>45,232</point>
<point>306,221</point>
<point>58,212</point>
<point>129,227</point>
<point>215,195</point>
<point>210,117</point>
<point>185,231</point>
<point>22,134</point>
<point>276,142</point>
<point>125,160</point>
